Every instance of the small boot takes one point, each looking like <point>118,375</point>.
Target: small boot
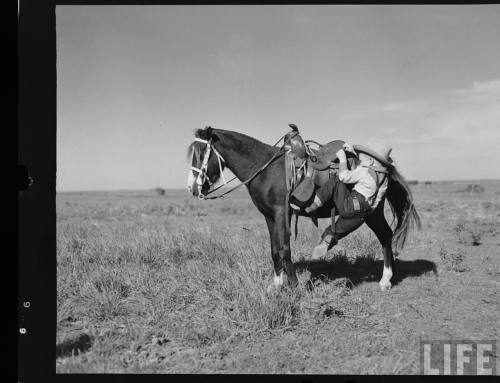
<point>322,248</point>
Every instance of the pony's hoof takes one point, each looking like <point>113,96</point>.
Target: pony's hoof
<point>385,285</point>
<point>272,289</point>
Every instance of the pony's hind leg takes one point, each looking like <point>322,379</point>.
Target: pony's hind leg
<point>385,281</point>
<point>377,222</point>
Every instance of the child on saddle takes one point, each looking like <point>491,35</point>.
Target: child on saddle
<point>355,193</point>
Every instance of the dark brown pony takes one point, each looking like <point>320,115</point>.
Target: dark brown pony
<point>215,149</point>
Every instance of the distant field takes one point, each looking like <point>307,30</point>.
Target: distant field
<point>170,284</point>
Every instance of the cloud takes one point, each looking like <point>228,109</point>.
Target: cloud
<point>480,89</point>
<point>400,107</point>
<point>467,118</point>
<point>460,125</point>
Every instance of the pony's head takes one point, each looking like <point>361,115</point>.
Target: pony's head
<point>206,162</point>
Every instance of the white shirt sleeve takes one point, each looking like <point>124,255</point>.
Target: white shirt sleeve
<point>350,176</point>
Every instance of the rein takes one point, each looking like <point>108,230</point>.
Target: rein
<point>201,171</point>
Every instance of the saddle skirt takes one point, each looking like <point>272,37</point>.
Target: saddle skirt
<point>326,156</point>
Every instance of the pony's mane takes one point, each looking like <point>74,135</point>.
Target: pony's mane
<point>237,141</point>
<point>221,133</point>
<point>241,137</point>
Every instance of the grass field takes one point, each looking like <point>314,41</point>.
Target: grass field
<point>169,284</point>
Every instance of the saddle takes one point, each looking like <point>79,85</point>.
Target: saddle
<point>326,156</point>
<point>317,163</point>
<point>308,168</point>
<point>322,158</point>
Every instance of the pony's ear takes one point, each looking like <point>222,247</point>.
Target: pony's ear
<point>210,134</point>
<point>205,133</point>
<point>214,136</point>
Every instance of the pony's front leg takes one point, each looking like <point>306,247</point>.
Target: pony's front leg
<point>278,265</point>
<point>285,253</point>
<point>280,251</point>
<point>286,258</point>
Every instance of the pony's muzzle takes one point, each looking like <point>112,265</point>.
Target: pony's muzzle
<point>193,190</point>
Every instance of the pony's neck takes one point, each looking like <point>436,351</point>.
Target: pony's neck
<point>243,155</point>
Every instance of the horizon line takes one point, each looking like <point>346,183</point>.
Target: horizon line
<point>183,188</point>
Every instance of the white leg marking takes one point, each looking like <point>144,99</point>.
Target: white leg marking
<point>385,281</point>
<point>277,282</point>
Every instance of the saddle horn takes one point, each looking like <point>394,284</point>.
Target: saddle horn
<point>294,127</point>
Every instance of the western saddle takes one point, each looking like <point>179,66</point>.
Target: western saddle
<point>308,166</point>
<point>304,156</point>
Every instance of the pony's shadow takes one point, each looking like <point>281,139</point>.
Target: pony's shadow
<point>364,269</point>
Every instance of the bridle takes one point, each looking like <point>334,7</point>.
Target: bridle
<point>202,171</point>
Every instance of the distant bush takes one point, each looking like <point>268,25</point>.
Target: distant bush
<point>160,191</point>
<point>469,233</point>
<point>412,182</point>
<point>472,188</point>
<point>453,259</point>
<point>429,206</point>
<point>427,183</point>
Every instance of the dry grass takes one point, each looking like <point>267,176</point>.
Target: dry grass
<point>453,259</point>
<point>171,284</point>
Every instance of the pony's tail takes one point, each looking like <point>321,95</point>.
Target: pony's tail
<point>401,202</point>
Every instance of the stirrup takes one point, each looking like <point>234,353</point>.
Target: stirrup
<point>299,209</point>
<point>316,204</point>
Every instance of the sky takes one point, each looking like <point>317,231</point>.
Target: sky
<point>134,82</point>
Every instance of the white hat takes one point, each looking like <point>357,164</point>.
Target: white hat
<point>383,155</point>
